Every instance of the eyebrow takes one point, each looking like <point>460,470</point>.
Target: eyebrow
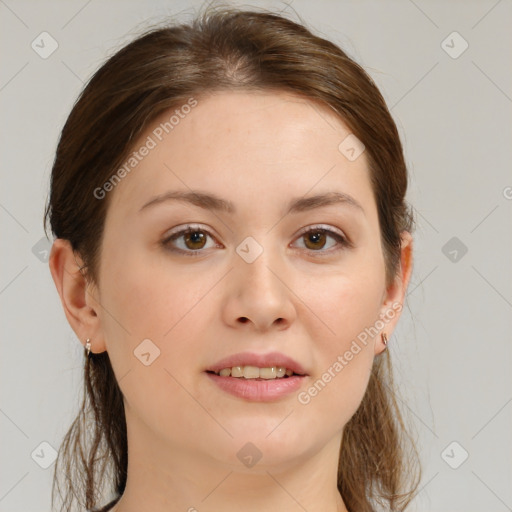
<point>213,202</point>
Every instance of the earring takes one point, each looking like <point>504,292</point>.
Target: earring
<point>88,347</point>
<point>384,339</point>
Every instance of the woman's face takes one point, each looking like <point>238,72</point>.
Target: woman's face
<point>248,281</point>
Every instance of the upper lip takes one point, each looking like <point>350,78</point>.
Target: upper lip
<point>260,360</point>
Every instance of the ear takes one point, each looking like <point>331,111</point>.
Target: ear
<point>76,294</point>
<point>394,296</point>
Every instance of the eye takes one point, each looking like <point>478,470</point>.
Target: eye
<point>193,240</point>
<point>315,239</point>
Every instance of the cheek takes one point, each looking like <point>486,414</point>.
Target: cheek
<point>143,302</point>
<point>144,299</point>
<point>142,296</point>
<point>348,306</point>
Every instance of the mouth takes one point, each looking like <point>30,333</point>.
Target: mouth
<point>251,365</point>
<point>258,377</point>
<point>254,384</point>
<point>255,373</point>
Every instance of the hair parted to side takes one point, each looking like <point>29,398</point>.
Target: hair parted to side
<point>224,49</point>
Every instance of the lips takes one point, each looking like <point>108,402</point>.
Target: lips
<point>258,390</point>
<point>260,360</point>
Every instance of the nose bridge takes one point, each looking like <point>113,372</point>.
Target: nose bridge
<point>258,265</point>
<point>261,295</point>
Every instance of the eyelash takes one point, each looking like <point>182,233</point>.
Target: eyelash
<point>340,239</point>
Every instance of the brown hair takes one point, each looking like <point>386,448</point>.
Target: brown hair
<point>225,49</point>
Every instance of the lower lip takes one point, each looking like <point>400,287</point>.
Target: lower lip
<point>258,390</point>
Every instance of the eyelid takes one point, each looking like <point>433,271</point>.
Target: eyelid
<point>322,227</point>
<point>184,228</point>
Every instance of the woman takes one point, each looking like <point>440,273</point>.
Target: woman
<point>233,248</point>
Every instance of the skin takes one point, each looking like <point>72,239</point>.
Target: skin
<point>258,150</point>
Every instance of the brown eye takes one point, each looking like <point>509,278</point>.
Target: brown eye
<point>190,241</point>
<point>195,239</point>
<point>315,240</point>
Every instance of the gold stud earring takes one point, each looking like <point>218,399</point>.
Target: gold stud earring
<point>384,339</point>
<point>88,347</point>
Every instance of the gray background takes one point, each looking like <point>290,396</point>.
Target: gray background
<point>452,350</point>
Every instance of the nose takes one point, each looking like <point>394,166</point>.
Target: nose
<point>258,295</point>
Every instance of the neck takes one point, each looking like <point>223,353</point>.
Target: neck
<point>163,478</point>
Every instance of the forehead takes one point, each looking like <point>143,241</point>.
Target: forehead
<point>242,144</point>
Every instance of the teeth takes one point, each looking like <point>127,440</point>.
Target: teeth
<point>237,371</point>
<point>253,372</point>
